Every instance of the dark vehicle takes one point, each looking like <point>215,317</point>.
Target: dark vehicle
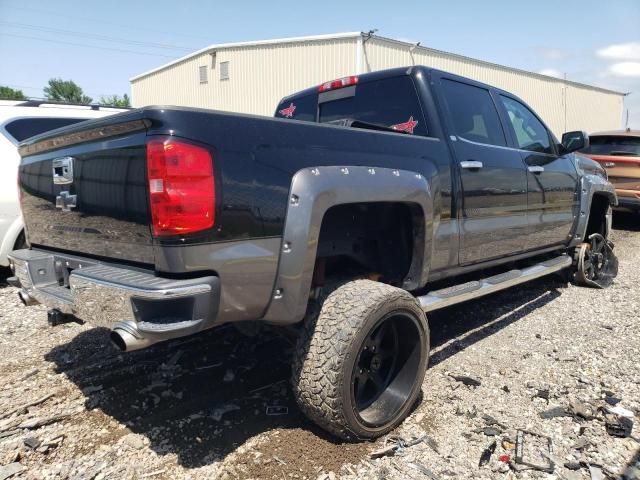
<point>351,215</point>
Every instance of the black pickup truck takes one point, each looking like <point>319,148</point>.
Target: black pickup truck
<point>366,203</point>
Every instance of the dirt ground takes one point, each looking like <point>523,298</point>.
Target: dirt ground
<point>71,406</point>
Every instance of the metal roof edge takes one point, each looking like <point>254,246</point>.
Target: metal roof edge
<point>503,67</point>
<point>311,38</point>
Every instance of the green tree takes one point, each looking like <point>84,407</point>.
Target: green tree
<point>7,93</point>
<point>65,91</point>
<point>116,101</point>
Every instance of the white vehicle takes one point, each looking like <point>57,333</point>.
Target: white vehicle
<point>20,120</point>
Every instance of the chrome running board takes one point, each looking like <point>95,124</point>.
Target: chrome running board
<point>478,288</point>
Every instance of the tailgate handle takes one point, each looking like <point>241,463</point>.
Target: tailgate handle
<point>535,169</point>
<point>471,164</point>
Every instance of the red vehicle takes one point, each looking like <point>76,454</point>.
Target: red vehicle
<point>619,153</point>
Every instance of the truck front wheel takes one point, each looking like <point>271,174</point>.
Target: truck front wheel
<point>360,363</point>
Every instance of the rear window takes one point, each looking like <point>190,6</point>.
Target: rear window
<point>614,145</point>
<point>391,102</point>
<point>24,128</point>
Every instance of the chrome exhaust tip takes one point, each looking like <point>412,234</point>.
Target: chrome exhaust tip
<point>26,299</point>
<point>127,338</point>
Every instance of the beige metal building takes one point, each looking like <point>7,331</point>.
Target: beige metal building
<point>252,77</point>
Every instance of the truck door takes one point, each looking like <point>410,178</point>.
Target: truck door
<point>552,179</point>
<point>492,207</point>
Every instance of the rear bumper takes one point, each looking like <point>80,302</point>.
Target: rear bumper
<point>148,308</point>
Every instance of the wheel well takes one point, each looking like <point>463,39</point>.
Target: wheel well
<point>21,240</point>
<point>597,216</point>
<point>368,240</point>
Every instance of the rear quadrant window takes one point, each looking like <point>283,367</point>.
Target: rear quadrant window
<point>299,108</point>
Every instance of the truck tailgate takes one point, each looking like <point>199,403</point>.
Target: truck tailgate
<point>83,189</point>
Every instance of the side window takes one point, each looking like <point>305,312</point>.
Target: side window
<point>473,113</point>
<point>531,134</point>
<point>391,102</point>
<point>23,128</point>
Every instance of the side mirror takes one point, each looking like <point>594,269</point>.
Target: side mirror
<point>573,141</point>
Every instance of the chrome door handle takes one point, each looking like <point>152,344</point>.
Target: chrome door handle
<point>471,164</point>
<point>536,169</point>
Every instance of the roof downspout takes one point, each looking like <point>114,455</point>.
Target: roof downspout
<point>359,51</point>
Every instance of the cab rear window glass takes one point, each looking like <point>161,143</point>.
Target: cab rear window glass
<point>614,145</point>
<point>392,102</point>
<point>24,128</point>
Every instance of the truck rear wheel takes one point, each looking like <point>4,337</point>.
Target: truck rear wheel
<point>361,361</point>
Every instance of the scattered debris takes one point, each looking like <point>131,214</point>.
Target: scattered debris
<point>384,452</point>
<point>206,367</point>
<point>611,400</point>
<point>555,412</point>
<point>154,473</point>
<point>424,470</point>
<point>618,421</point>
<point>32,442</point>
<point>27,405</point>
<point>543,394</point>
<point>582,410</point>
<point>276,410</point>
<point>264,387</point>
<point>11,470</point>
<point>175,357</point>
<point>218,412</point>
<point>228,376</point>
<point>134,441</point>
<point>468,381</point>
<point>42,421</point>
<point>596,472</point>
<point>504,458</point>
<point>400,444</point>
<point>486,454</point>
<point>531,448</point>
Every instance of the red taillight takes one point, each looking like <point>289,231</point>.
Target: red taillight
<point>181,187</point>
<point>339,83</point>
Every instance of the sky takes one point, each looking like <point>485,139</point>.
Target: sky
<point>100,45</point>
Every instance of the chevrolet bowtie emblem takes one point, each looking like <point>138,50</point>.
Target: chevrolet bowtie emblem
<point>65,201</point>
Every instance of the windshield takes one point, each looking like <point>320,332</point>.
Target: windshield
<point>614,145</point>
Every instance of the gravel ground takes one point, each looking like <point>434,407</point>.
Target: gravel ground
<point>71,406</point>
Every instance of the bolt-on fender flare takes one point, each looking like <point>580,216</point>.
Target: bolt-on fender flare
<point>591,185</point>
<point>314,191</point>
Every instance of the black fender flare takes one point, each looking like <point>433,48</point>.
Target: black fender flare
<point>590,185</point>
<point>314,191</point>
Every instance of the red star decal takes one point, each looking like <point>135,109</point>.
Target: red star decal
<point>288,112</point>
<point>407,126</point>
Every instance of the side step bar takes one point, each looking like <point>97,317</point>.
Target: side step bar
<point>478,288</point>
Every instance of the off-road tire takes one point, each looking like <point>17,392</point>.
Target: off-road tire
<point>325,351</point>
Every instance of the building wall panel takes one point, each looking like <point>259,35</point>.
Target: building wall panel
<point>259,76</point>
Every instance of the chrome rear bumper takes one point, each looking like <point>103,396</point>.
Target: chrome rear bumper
<point>145,305</point>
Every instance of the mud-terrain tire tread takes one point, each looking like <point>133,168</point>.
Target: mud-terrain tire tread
<point>325,342</point>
